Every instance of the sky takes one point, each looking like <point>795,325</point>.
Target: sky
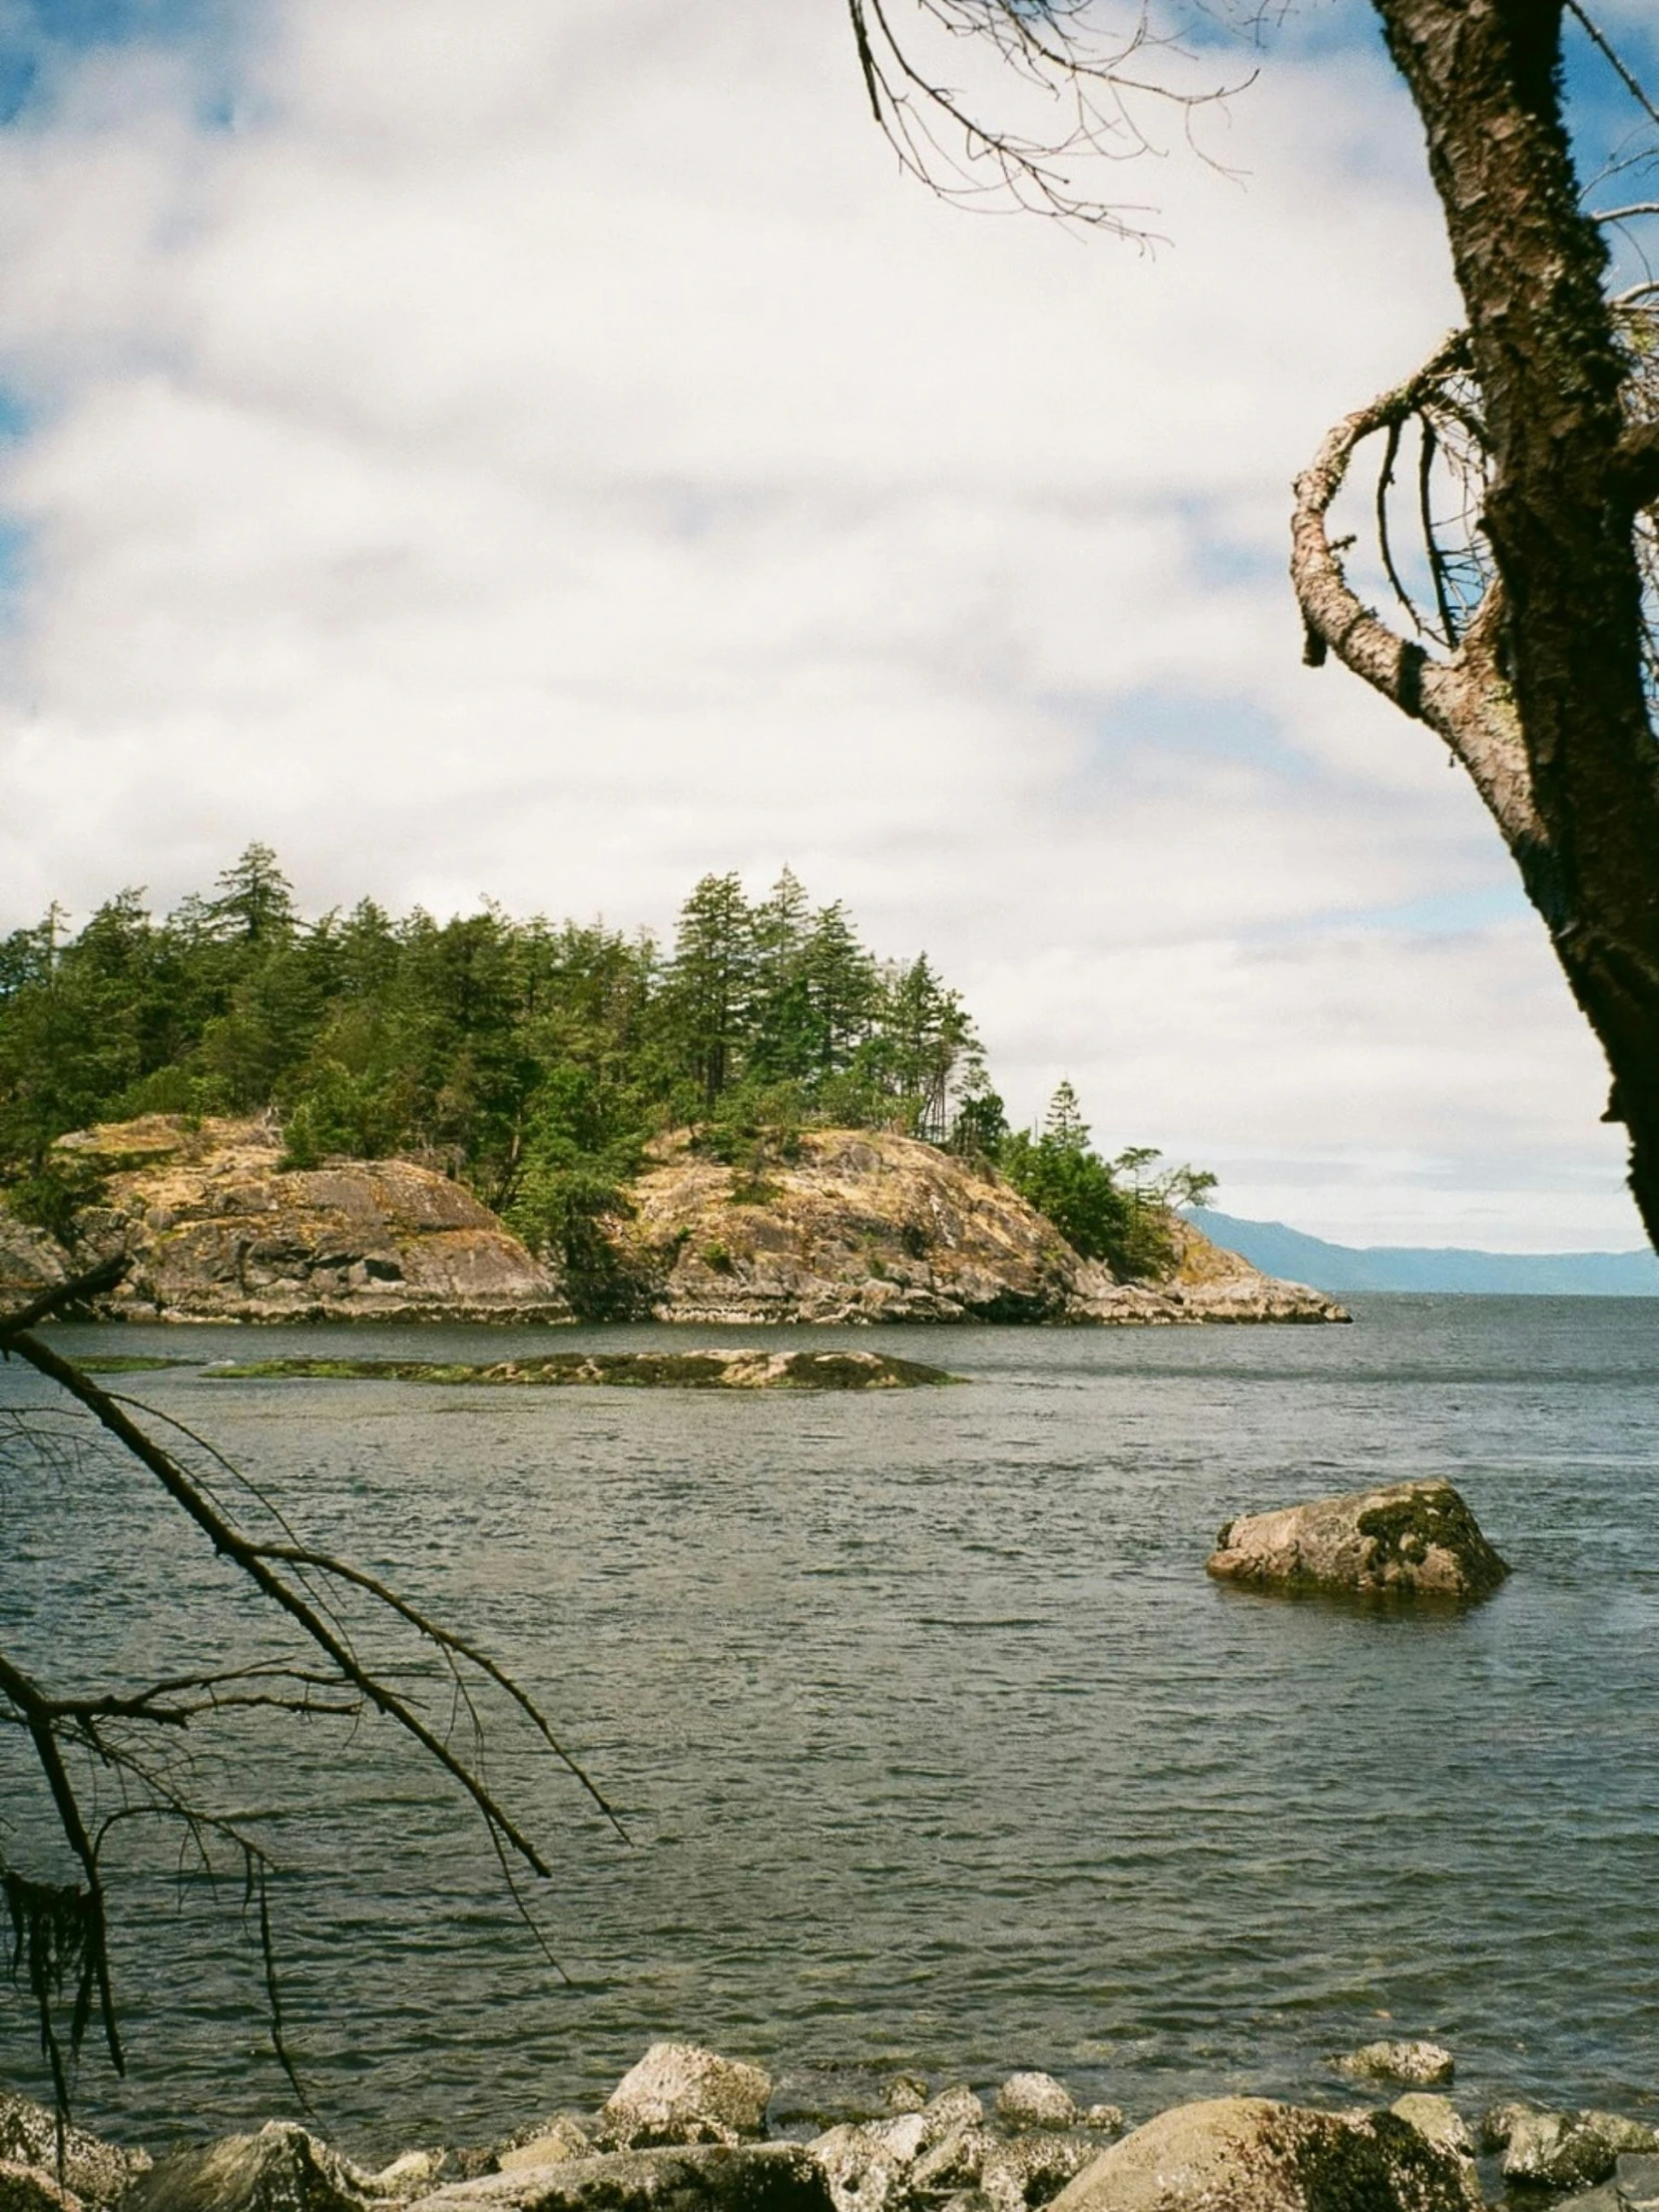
<point>550,452</point>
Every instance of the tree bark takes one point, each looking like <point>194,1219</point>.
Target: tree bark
<point>1544,701</point>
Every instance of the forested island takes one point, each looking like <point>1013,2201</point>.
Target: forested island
<point>766,1120</point>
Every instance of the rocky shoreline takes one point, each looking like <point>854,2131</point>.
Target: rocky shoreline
<point>854,1227</point>
<point>689,2130</point>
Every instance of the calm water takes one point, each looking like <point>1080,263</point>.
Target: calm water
<point>933,1741</point>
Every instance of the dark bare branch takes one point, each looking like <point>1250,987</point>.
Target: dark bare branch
<point>233,1545</point>
<point>63,1296</point>
<point>1615,61</point>
<point>447,1641</point>
<point>1096,86</point>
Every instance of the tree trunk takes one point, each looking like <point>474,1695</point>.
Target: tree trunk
<point>1544,702</point>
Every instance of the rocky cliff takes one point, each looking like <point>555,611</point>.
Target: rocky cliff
<point>862,1226</point>
<point>218,1231</point>
<point>856,1225</point>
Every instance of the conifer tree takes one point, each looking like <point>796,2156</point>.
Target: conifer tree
<point>711,984</point>
<point>842,990</point>
<point>782,1044</point>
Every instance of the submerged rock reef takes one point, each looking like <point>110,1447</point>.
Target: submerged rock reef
<point>856,1225</point>
<point>636,1371</point>
<point>688,2130</point>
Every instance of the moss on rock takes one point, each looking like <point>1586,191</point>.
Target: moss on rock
<point>1409,1540</point>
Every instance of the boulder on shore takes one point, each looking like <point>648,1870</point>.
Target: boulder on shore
<point>1437,2118</point>
<point>33,2189</point>
<point>1036,2100</point>
<point>1250,2154</point>
<point>1408,1539</point>
<point>280,2169</point>
<point>706,2177</point>
<point>95,2171</point>
<point>681,2093</point>
<point>1562,2150</point>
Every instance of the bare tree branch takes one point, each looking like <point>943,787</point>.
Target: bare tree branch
<point>61,1932</point>
<point>1463,699</point>
<point>1621,69</point>
<point>1095,84</point>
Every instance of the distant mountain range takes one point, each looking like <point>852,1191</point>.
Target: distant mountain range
<point>1276,1249</point>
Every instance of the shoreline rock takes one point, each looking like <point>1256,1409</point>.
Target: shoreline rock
<point>856,1227</point>
<point>863,1226</point>
<point>1562,2151</point>
<point>689,2130</point>
<point>219,1231</point>
<point>1251,2154</point>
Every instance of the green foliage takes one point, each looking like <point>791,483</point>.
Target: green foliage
<point>1116,1210</point>
<point>53,1196</point>
<point>535,1060</point>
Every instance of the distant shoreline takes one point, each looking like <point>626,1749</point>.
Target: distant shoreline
<point>1342,1270</point>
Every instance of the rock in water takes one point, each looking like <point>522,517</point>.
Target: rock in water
<point>1248,2154</point>
<point>1421,2064</point>
<point>679,2093</point>
<point>811,2098</point>
<point>1413,1539</point>
<point>650,1371</point>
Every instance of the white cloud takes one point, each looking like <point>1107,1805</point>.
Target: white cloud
<point>548,451</point>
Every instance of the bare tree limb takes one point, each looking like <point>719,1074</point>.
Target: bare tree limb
<point>233,1545</point>
<point>1464,699</point>
<point>1059,50</point>
<point>61,1933</point>
<point>1615,61</point>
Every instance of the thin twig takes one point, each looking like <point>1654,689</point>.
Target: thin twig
<point>1621,69</point>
